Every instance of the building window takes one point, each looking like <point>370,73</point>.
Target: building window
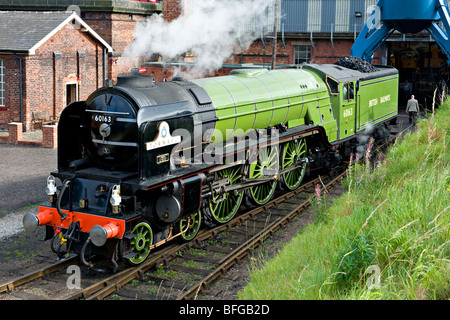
<point>302,54</point>
<point>2,83</point>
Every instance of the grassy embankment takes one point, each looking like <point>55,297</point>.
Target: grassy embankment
<point>387,238</point>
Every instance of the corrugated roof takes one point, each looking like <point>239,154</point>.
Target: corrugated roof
<point>24,31</point>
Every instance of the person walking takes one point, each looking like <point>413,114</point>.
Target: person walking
<point>407,88</point>
<point>412,108</point>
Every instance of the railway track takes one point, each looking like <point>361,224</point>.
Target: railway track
<point>38,274</point>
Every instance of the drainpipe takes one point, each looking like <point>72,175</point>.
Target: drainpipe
<point>20,85</point>
<point>105,66</point>
<point>275,34</point>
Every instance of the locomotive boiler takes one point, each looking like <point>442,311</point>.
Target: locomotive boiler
<point>141,163</point>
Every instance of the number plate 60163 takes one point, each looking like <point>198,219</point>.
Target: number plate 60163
<point>102,118</point>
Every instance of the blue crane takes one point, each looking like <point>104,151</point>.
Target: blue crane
<point>406,16</point>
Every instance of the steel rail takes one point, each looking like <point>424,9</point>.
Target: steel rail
<point>111,284</point>
<point>9,286</point>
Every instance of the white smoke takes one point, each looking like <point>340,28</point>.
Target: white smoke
<point>211,29</point>
<point>363,139</point>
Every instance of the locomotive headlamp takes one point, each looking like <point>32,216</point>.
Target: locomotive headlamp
<point>116,199</point>
<point>50,190</point>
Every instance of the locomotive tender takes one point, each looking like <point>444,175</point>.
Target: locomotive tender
<point>141,163</point>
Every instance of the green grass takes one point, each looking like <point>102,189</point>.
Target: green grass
<point>387,238</point>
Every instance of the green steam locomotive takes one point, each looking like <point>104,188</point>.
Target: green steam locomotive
<point>141,163</point>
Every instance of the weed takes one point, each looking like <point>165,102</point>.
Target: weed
<point>354,262</point>
<point>395,216</point>
<point>320,203</point>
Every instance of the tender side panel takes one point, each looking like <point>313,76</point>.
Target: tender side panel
<point>377,101</point>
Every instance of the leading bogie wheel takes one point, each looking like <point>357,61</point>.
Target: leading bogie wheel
<point>190,226</point>
<point>140,243</point>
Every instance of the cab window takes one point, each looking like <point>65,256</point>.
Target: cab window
<point>348,91</point>
<point>333,85</point>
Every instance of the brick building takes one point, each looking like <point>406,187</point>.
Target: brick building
<point>113,20</point>
<point>47,60</point>
<point>116,23</point>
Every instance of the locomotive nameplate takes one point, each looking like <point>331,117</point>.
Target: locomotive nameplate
<point>163,139</point>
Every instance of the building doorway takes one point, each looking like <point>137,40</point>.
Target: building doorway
<point>71,92</point>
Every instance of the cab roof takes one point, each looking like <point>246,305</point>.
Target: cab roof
<point>342,74</point>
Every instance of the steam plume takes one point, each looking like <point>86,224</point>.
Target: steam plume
<point>211,29</point>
